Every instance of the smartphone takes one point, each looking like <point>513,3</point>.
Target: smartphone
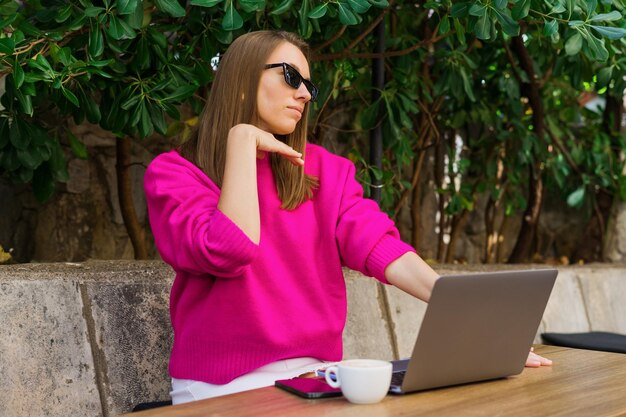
<point>308,387</point>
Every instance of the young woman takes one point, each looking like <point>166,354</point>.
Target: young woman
<point>257,224</point>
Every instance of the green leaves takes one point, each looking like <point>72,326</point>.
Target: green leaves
<point>478,9</point>
<point>484,16</point>
<point>35,152</point>
<point>318,11</point>
<point>171,7</point>
<point>7,46</point>
<point>232,19</point>
<point>18,134</point>
<point>181,93</point>
<point>346,15</point>
<point>595,48</point>
<point>348,11</point>
<point>127,6</point>
<point>283,7</point>
<point>359,6</point>
<point>576,198</point>
<point>78,148</point>
<point>96,42</point>
<point>252,5</point>
<point>18,74</point>
<point>550,27</point>
<point>609,32</point>
<point>584,38</point>
<point>520,9</point>
<point>128,65</point>
<point>483,28</point>
<point>70,96</point>
<point>604,76</point>
<point>606,17</point>
<point>509,26</point>
<point>574,44</point>
<point>205,3</point>
<point>119,29</point>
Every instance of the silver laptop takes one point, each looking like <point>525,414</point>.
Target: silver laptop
<point>476,327</point>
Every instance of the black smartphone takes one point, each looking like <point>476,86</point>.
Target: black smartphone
<point>308,387</point>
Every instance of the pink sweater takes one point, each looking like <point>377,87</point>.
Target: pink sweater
<point>235,305</point>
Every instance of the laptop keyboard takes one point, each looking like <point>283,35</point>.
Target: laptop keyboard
<point>397,378</point>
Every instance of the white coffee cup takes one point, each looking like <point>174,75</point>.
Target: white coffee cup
<point>362,381</point>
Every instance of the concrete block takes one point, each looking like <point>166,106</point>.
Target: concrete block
<point>604,292</point>
<point>366,334</point>
<point>565,312</point>
<point>133,336</point>
<point>615,240</point>
<point>93,339</point>
<point>46,365</point>
<point>406,314</point>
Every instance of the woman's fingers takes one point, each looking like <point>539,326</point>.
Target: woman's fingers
<point>542,360</point>
<point>535,361</point>
<point>268,143</point>
<point>297,161</point>
<point>294,157</point>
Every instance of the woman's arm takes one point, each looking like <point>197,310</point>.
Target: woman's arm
<point>412,275</point>
<point>189,231</point>
<point>239,199</point>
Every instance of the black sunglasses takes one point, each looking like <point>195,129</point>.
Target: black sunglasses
<point>294,79</point>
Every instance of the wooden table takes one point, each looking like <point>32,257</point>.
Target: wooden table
<point>580,383</point>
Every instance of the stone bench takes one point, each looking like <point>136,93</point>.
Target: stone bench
<point>92,339</point>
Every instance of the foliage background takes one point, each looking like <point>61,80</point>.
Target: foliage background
<point>483,102</point>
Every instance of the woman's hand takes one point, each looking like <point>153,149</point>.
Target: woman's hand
<point>239,199</point>
<point>265,142</point>
<point>535,361</point>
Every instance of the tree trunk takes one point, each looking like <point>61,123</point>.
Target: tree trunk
<point>506,220</point>
<point>490,232</point>
<point>458,223</point>
<point>125,195</point>
<point>416,206</point>
<point>591,247</point>
<point>524,245</point>
<point>439,167</point>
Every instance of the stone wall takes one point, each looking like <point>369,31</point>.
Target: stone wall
<point>82,220</point>
<point>615,245</point>
<point>92,339</point>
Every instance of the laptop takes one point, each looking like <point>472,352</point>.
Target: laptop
<point>476,327</point>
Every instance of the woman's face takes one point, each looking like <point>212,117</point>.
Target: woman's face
<point>280,106</point>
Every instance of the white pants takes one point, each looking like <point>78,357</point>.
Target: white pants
<point>186,390</point>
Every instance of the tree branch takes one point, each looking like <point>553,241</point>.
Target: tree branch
<point>359,38</point>
<point>369,29</point>
<point>509,55</point>
<point>125,196</point>
<point>346,54</point>
<point>331,40</point>
<point>564,152</point>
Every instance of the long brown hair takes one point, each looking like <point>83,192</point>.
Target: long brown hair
<point>233,100</point>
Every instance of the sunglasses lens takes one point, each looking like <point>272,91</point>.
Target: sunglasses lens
<point>292,77</point>
<point>312,89</point>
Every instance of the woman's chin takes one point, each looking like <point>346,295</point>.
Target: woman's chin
<point>283,131</point>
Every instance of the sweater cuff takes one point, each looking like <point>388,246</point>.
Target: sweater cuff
<point>235,247</point>
<point>387,250</point>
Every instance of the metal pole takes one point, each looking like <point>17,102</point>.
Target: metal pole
<point>378,83</point>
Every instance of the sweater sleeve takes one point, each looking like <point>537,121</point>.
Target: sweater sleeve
<point>367,238</point>
<point>190,232</point>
